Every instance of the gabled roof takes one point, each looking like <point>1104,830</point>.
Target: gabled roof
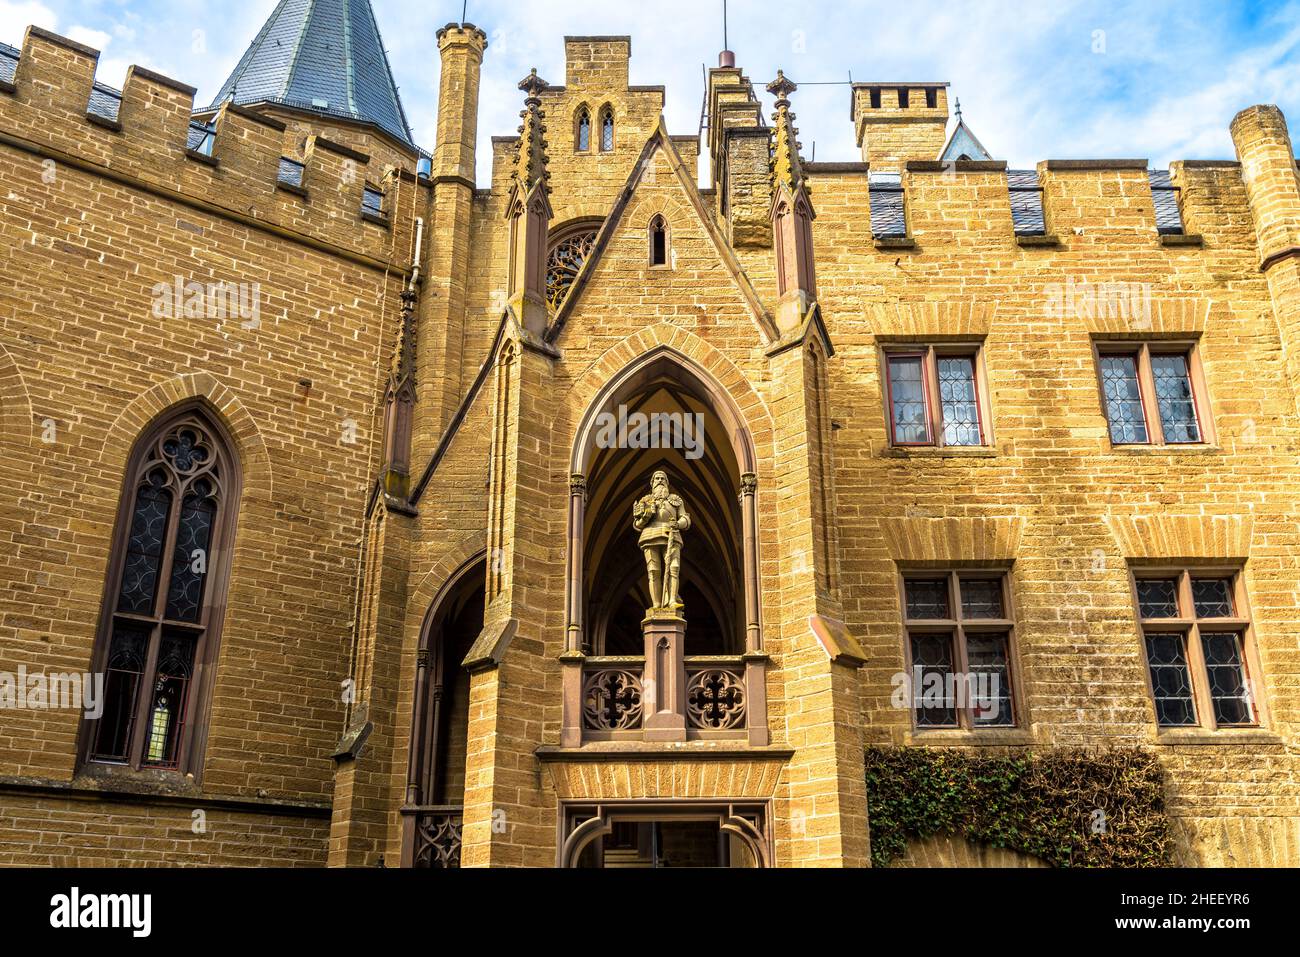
<point>963,143</point>
<point>321,56</point>
<point>661,140</point>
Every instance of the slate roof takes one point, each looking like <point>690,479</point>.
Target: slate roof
<point>1026,202</point>
<point>888,218</point>
<point>964,143</point>
<point>322,56</point>
<point>8,62</point>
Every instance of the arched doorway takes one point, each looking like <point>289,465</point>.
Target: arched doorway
<point>435,789</point>
<point>664,413</point>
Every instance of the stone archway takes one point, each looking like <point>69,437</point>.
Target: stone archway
<point>432,813</point>
<point>693,431</point>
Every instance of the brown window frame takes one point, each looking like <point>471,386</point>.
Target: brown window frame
<point>930,354</point>
<point>1143,350</point>
<point>958,627</point>
<point>1190,627</point>
<point>207,628</point>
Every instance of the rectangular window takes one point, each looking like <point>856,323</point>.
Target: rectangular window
<point>935,396</point>
<point>1138,380</point>
<point>372,201</point>
<point>959,641</point>
<point>1195,632</point>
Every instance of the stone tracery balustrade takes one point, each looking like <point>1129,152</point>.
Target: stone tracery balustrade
<point>437,835</point>
<point>612,697</point>
<point>715,695</point>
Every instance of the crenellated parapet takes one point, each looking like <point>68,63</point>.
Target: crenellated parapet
<point>1106,206</point>
<point>228,163</point>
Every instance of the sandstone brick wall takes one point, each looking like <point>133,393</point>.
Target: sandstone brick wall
<point>118,211</point>
<point>92,220</point>
<point>52,832</point>
<point>1052,470</point>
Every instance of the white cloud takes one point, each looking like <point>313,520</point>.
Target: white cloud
<point>95,39</point>
<point>15,18</point>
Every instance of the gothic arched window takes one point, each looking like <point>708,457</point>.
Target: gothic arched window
<point>607,130</point>
<point>165,591</point>
<point>658,241</point>
<point>584,130</point>
<point>569,250</point>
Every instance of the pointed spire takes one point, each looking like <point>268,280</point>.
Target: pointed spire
<point>531,160</point>
<point>324,57</point>
<point>787,167</point>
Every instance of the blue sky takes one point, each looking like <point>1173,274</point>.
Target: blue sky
<point>1051,79</point>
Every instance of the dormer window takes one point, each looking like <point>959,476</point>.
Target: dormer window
<point>607,130</point>
<point>658,242</point>
<point>584,130</point>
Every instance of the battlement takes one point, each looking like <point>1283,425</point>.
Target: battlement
<point>1062,206</point>
<point>597,62</point>
<point>897,122</point>
<point>229,162</point>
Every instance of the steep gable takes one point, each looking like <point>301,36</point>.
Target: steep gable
<point>702,273</point>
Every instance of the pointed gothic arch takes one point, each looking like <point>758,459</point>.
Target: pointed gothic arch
<point>658,237</point>
<point>582,129</point>
<point>713,471</point>
<point>435,783</point>
<point>164,596</point>
<point>606,126</point>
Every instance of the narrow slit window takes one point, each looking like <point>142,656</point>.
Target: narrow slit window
<point>1164,194</point>
<point>658,242</point>
<point>584,130</point>
<point>607,130</point>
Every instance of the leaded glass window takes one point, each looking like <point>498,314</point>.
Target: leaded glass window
<point>1119,378</point>
<point>584,131</point>
<point>1145,377</point>
<point>176,516</point>
<point>1173,384</point>
<point>934,397</point>
<point>1158,597</point>
<point>990,679</point>
<point>958,400</point>
<point>1196,646</point>
<point>1171,683</point>
<point>565,261</point>
<point>607,130</point>
<point>907,400</point>
<point>959,637</point>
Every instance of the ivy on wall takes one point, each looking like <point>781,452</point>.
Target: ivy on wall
<point>1070,808</point>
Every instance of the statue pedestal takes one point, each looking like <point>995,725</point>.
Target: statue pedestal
<point>664,680</point>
